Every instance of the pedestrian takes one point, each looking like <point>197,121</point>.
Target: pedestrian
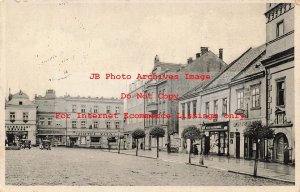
<point>142,145</point>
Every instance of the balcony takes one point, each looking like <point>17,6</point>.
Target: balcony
<point>152,107</point>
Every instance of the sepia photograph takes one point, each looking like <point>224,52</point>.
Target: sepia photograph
<point>148,93</point>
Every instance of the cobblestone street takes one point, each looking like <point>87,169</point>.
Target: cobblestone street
<point>73,166</point>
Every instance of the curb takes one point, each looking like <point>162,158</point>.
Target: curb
<point>196,165</point>
<point>129,154</point>
<point>263,177</point>
<point>204,166</point>
<point>138,155</point>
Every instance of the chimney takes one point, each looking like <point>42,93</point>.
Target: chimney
<point>189,60</point>
<point>204,50</point>
<point>221,53</point>
<point>9,95</point>
<point>198,55</point>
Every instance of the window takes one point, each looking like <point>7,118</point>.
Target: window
<point>20,102</point>
<point>255,96</point>
<point>117,124</point>
<point>108,124</point>
<point>194,107</point>
<point>83,122</point>
<point>279,29</point>
<point>207,107</point>
<point>215,106</point>
<point>164,119</point>
<point>95,124</point>
<point>74,108</point>
<point>25,116</point>
<point>95,139</point>
<point>74,124</point>
<point>42,120</point>
<point>49,121</point>
<point>240,99</point>
<point>58,122</point>
<point>280,117</point>
<point>183,109</point>
<point>96,109</point>
<point>117,109</point>
<point>12,116</point>
<point>83,108</point>
<point>280,92</point>
<point>159,100</point>
<point>108,109</point>
<point>224,107</point>
<point>189,108</point>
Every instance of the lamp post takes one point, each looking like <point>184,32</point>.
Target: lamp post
<point>201,160</point>
<point>119,141</point>
<point>66,130</point>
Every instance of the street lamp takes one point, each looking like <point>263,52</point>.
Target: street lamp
<point>66,130</point>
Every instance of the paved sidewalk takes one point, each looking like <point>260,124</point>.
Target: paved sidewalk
<point>267,170</point>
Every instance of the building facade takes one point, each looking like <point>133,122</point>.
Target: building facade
<point>247,97</point>
<point>135,105</point>
<point>20,119</point>
<point>91,122</point>
<point>216,100</point>
<point>203,68</point>
<point>279,68</point>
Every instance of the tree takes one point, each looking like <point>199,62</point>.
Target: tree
<point>192,133</point>
<point>258,132</point>
<point>157,132</point>
<point>138,134</point>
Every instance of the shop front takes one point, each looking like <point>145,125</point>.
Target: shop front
<point>245,147</point>
<point>56,136</point>
<point>14,134</point>
<point>216,138</point>
<point>94,139</point>
<point>14,137</point>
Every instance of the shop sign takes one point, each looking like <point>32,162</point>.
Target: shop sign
<point>242,123</point>
<point>17,132</point>
<point>214,127</point>
<point>98,133</point>
<point>49,132</point>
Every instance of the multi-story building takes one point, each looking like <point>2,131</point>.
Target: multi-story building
<point>20,119</point>
<point>47,125</point>
<point>213,99</point>
<point>135,105</point>
<point>205,66</point>
<point>80,121</point>
<point>279,67</point>
<point>247,98</point>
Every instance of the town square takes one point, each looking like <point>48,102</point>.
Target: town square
<point>149,94</point>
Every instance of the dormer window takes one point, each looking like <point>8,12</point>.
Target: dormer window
<point>20,102</point>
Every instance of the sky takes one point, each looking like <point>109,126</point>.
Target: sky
<point>57,45</point>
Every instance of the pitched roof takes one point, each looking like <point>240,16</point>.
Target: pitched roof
<point>251,69</point>
<point>168,66</point>
<point>235,67</point>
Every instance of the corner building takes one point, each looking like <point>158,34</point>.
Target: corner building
<point>279,67</point>
<point>20,119</point>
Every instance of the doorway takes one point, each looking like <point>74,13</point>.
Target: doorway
<point>281,148</point>
<point>237,145</point>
